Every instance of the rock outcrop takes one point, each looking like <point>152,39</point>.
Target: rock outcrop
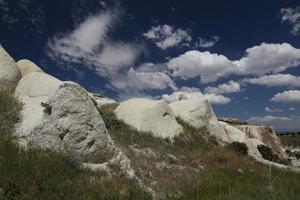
<point>198,113</point>
<point>67,121</point>
<point>26,67</point>
<point>147,115</point>
<point>266,135</point>
<point>233,134</point>
<point>9,72</point>
<point>101,100</point>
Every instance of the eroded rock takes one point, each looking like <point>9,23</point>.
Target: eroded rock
<point>9,72</point>
<point>147,115</point>
<point>26,67</point>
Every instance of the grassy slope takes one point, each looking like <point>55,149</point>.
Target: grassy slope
<point>290,140</point>
<point>45,174</point>
<point>211,172</point>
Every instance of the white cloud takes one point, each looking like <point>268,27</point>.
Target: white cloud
<point>194,93</point>
<point>230,87</point>
<point>272,109</point>
<point>206,43</point>
<point>268,58</point>
<point>279,123</point>
<point>276,80</point>
<point>136,83</point>
<point>291,16</point>
<point>292,109</point>
<point>259,60</point>
<point>204,64</point>
<point>89,44</point>
<point>165,36</point>
<point>291,96</point>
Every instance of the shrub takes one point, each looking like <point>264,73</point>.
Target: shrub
<point>47,108</point>
<point>267,153</point>
<point>239,147</point>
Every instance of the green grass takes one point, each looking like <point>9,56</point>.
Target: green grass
<point>217,172</point>
<point>46,174</point>
<point>290,140</point>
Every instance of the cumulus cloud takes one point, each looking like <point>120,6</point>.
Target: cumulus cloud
<point>195,93</point>
<point>290,96</point>
<point>268,58</point>
<point>206,43</point>
<point>166,36</point>
<point>204,64</point>
<point>230,87</point>
<point>137,82</point>
<point>275,80</point>
<point>90,45</point>
<point>272,109</point>
<point>279,123</point>
<point>258,60</point>
<point>291,16</point>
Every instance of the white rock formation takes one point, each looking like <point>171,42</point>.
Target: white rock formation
<point>147,115</point>
<point>26,67</point>
<point>101,100</point>
<point>72,122</point>
<point>9,72</point>
<point>68,121</point>
<point>266,135</point>
<point>234,134</point>
<point>198,113</point>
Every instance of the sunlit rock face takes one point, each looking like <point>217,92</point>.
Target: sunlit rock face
<point>267,135</point>
<point>198,113</point>
<point>26,67</point>
<point>67,121</point>
<point>147,115</point>
<point>9,72</point>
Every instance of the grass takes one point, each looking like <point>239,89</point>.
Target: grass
<point>44,174</point>
<point>290,140</point>
<point>210,171</point>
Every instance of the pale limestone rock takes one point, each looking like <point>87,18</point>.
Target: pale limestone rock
<point>101,100</point>
<point>26,67</point>
<point>147,115</point>
<point>73,123</point>
<point>267,136</point>
<point>234,134</point>
<point>252,144</point>
<point>198,113</point>
<point>9,72</point>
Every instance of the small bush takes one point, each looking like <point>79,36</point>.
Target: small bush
<point>267,153</point>
<point>47,108</point>
<point>239,147</point>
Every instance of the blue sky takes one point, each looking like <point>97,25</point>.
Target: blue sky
<point>243,56</point>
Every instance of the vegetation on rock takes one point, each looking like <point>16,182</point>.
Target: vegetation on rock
<point>239,147</point>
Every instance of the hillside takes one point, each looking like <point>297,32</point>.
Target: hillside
<point>59,141</point>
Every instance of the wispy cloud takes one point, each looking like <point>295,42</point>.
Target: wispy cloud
<point>291,16</point>
<point>166,36</point>
<point>89,44</point>
<point>206,43</point>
